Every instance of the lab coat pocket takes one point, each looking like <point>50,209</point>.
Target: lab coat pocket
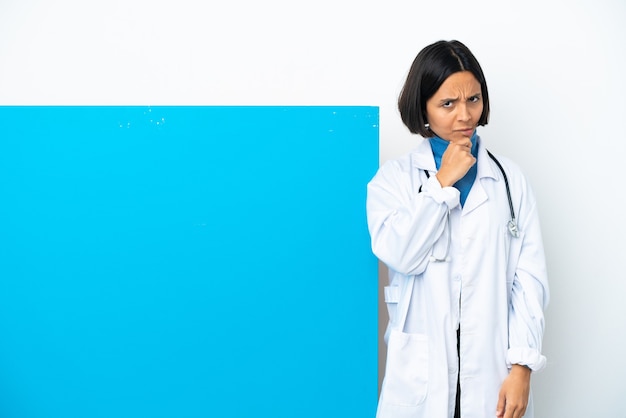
<point>392,297</point>
<point>406,376</point>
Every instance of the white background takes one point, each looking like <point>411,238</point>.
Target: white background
<point>555,71</point>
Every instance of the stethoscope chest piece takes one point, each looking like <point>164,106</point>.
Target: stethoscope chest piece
<point>513,228</point>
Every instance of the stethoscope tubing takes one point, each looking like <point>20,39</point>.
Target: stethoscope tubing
<point>513,222</point>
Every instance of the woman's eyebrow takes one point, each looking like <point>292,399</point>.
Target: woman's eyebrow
<point>448,100</point>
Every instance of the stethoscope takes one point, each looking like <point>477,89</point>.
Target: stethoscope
<point>512,224</point>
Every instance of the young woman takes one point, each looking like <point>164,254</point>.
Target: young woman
<point>459,230</point>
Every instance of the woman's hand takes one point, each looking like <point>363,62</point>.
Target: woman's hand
<point>514,392</point>
<point>455,162</point>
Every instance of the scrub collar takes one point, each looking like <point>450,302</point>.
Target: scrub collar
<point>440,145</point>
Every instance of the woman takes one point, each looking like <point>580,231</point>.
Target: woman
<point>468,283</point>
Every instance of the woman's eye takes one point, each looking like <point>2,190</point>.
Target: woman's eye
<point>446,104</point>
<point>474,99</point>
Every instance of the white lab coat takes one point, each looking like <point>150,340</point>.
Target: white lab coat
<point>492,285</point>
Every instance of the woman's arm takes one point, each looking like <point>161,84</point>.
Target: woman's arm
<point>405,224</point>
<point>528,300</point>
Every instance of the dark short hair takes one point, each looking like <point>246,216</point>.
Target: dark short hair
<point>431,67</point>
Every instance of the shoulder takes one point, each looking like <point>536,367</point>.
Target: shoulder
<point>419,158</point>
<point>401,163</point>
<point>511,168</point>
<point>399,176</point>
<point>516,177</point>
<point>393,174</point>
<point>400,170</point>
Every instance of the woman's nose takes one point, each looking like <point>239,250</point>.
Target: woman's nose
<point>463,114</point>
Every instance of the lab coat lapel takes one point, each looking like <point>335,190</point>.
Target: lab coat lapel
<point>477,195</point>
<point>422,157</point>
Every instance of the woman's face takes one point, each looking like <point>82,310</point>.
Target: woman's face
<point>455,109</point>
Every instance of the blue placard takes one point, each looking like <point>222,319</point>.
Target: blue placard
<point>187,262</point>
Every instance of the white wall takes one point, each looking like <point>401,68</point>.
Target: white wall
<point>558,93</point>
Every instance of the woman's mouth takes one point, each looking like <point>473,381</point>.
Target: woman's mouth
<point>466,132</point>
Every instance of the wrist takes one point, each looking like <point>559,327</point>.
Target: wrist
<point>443,181</point>
<point>521,369</point>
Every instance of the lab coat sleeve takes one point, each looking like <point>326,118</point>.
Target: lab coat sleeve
<point>405,224</point>
<point>529,294</point>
